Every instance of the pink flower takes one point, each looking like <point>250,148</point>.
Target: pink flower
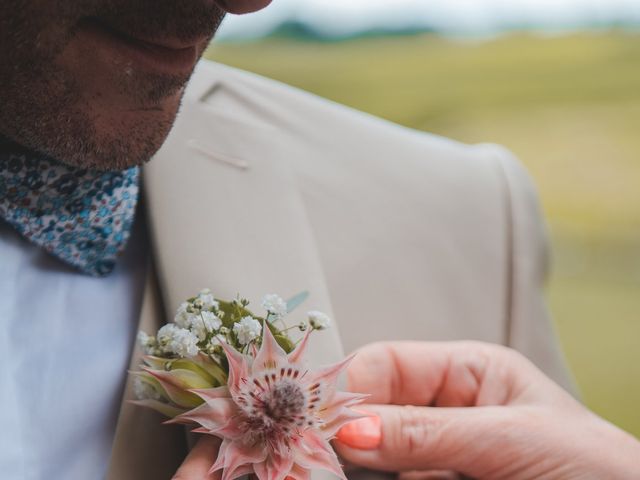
<point>275,417</point>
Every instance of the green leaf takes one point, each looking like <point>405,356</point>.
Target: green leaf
<point>188,364</point>
<point>295,301</point>
<point>188,379</point>
<point>157,363</point>
<point>285,342</point>
<point>213,368</point>
<point>176,383</point>
<point>233,312</point>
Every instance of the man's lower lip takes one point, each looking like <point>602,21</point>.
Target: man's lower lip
<point>139,54</point>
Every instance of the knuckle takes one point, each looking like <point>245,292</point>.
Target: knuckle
<point>416,432</point>
<point>492,352</point>
<point>486,349</point>
<point>372,371</point>
<point>375,349</point>
<point>512,360</point>
<point>508,353</point>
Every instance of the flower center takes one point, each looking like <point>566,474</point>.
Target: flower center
<point>276,406</point>
<point>284,401</point>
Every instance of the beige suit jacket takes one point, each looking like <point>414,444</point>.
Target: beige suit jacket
<point>397,234</point>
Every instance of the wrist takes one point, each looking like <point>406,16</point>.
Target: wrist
<point>613,453</point>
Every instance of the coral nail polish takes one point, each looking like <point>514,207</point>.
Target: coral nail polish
<point>363,434</point>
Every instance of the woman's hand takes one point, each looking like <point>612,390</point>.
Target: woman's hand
<point>199,461</point>
<point>503,418</point>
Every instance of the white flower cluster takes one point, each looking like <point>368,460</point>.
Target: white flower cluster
<point>147,342</point>
<point>318,320</point>
<point>205,300</point>
<point>173,339</point>
<point>275,305</point>
<point>144,390</point>
<point>198,326</point>
<point>190,312</point>
<point>204,324</point>
<point>247,330</point>
<point>195,322</point>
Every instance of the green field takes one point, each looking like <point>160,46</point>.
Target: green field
<point>569,107</point>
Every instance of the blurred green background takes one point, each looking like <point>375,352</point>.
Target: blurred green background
<point>569,107</point>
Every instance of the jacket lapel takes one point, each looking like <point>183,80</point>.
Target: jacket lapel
<point>224,212</point>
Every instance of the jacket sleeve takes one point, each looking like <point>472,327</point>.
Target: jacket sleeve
<point>529,326</point>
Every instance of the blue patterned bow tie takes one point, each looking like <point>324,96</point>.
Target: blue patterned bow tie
<point>84,217</point>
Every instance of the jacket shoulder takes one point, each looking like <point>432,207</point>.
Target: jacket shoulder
<point>259,102</point>
<point>399,213</point>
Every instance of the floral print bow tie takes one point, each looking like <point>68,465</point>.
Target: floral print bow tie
<point>83,217</point>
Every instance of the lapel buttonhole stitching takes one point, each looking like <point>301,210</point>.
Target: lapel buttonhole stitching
<point>229,160</point>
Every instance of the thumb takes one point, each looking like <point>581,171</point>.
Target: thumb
<point>199,461</point>
<point>403,438</point>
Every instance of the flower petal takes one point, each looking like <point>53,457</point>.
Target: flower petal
<point>212,393</point>
<point>243,470</point>
<point>236,457</point>
<point>222,455</point>
<point>155,362</point>
<point>212,367</point>
<point>297,355</point>
<point>315,452</point>
<point>163,408</point>
<point>238,368</point>
<point>175,387</point>
<point>329,374</point>
<point>204,362</point>
<point>270,354</point>
<point>275,467</point>
<point>339,401</point>
<point>346,415</point>
<point>212,415</point>
<point>299,473</point>
<point>153,382</point>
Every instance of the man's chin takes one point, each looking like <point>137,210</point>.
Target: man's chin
<point>113,140</point>
<point>127,147</point>
<point>112,154</point>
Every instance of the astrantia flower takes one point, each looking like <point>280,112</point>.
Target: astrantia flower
<point>247,330</point>
<point>274,416</point>
<point>275,305</point>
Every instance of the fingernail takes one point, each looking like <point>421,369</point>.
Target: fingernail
<point>363,434</point>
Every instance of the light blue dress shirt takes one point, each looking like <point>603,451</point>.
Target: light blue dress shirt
<point>65,342</point>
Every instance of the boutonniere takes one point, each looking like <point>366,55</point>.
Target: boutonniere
<point>242,377</point>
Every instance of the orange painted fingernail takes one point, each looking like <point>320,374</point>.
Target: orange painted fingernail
<point>363,434</point>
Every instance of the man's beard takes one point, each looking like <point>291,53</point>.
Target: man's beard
<point>43,103</point>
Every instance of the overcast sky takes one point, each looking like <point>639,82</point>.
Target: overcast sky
<point>456,16</point>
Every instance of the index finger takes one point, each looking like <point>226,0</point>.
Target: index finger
<point>454,374</point>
